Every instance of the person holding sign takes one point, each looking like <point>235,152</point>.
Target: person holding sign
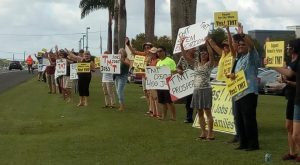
<point>245,101</point>
<point>202,95</point>
<point>292,94</point>
<point>121,79</point>
<point>164,97</point>
<point>50,70</point>
<point>107,86</point>
<point>84,78</point>
<point>181,66</point>
<point>227,54</point>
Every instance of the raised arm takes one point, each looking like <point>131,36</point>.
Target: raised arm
<point>188,58</point>
<point>210,55</point>
<point>214,46</point>
<point>230,42</point>
<point>247,39</point>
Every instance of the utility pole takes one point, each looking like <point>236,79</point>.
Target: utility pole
<point>87,38</point>
<point>79,44</point>
<point>100,43</point>
<point>24,56</point>
<point>13,56</point>
<point>83,41</point>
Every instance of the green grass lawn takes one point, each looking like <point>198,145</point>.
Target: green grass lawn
<point>39,128</point>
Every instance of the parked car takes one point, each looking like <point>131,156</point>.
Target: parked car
<point>276,88</point>
<point>266,77</point>
<point>15,65</point>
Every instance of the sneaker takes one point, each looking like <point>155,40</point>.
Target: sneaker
<point>289,157</point>
<point>188,121</point>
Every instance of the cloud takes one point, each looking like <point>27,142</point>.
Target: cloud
<point>28,17</point>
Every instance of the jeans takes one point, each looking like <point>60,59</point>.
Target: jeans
<point>120,82</point>
<point>189,110</point>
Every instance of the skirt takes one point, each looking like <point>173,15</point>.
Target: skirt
<point>202,99</point>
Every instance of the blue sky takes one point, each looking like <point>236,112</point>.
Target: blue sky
<point>28,26</point>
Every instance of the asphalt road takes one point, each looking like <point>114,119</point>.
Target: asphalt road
<point>9,79</point>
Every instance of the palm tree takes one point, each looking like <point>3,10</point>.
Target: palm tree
<point>122,23</point>
<point>149,19</point>
<point>183,13</point>
<point>88,6</point>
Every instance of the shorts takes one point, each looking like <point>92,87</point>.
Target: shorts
<point>290,109</point>
<point>297,113</point>
<point>164,96</point>
<point>67,83</point>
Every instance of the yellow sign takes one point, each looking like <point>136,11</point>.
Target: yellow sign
<point>237,85</point>
<point>275,53</point>
<point>40,54</point>
<point>139,62</point>
<point>83,67</point>
<point>226,19</point>
<point>221,110</point>
<point>97,62</point>
<point>227,65</point>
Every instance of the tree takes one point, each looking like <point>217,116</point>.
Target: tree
<point>116,23</point>
<point>149,20</point>
<point>122,24</point>
<point>88,6</point>
<point>164,41</point>
<point>183,13</point>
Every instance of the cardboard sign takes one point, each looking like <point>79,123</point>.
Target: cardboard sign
<point>238,85</point>
<point>156,77</point>
<point>181,85</point>
<point>139,62</point>
<point>83,67</point>
<point>46,62</point>
<point>226,19</point>
<point>227,65</point>
<point>221,110</point>
<point>110,63</point>
<point>97,62</point>
<point>73,71</point>
<point>61,67</point>
<point>275,53</point>
<point>194,36</point>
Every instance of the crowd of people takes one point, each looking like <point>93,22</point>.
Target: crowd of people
<point>239,54</point>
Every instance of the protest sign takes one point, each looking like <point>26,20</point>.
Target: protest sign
<point>181,85</point>
<point>97,62</point>
<point>227,65</point>
<point>73,71</point>
<point>45,62</point>
<point>61,67</point>
<point>275,53</point>
<point>83,67</point>
<point>226,19</point>
<point>139,62</point>
<point>40,67</point>
<point>110,63</point>
<point>237,85</point>
<point>156,77</point>
<point>194,36</point>
<point>221,110</point>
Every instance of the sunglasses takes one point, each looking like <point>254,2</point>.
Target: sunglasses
<point>241,44</point>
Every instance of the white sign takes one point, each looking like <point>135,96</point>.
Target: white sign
<point>73,71</point>
<point>46,62</point>
<point>194,36</point>
<point>61,67</point>
<point>156,77</point>
<point>110,63</point>
<point>40,67</point>
<point>181,85</point>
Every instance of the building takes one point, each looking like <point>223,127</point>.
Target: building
<point>296,29</point>
<point>261,35</point>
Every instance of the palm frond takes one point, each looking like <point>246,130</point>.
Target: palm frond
<point>88,6</point>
